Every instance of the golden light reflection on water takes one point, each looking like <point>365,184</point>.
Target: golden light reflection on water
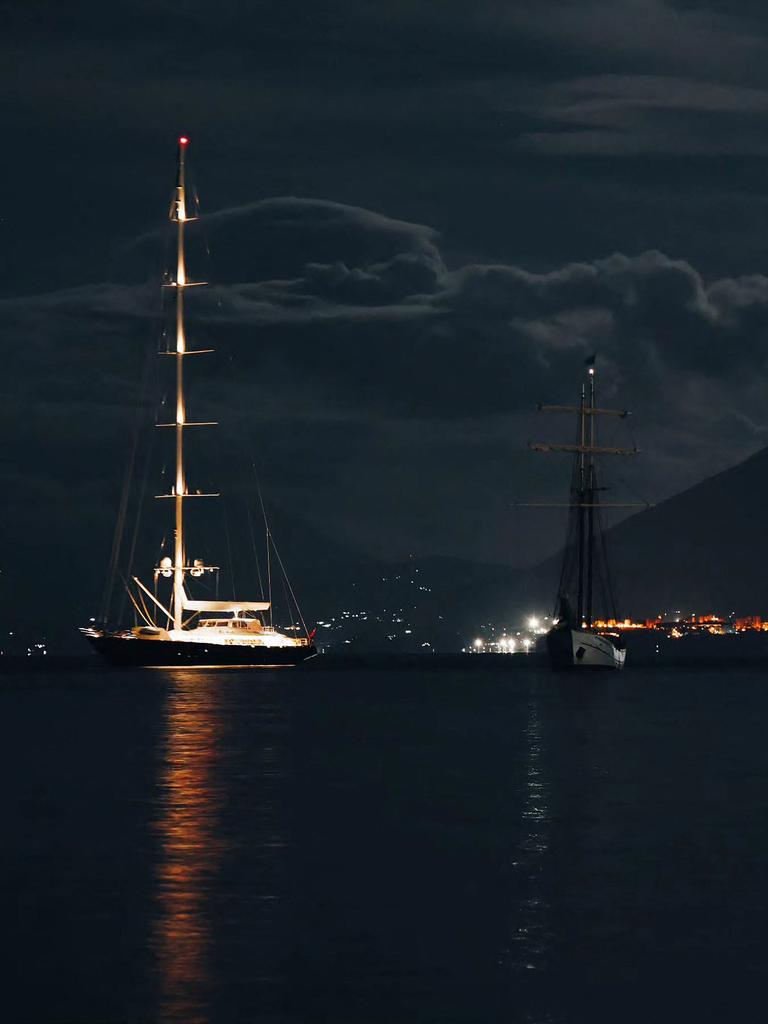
<point>190,847</point>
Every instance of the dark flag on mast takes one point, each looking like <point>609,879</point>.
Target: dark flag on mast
<point>590,360</point>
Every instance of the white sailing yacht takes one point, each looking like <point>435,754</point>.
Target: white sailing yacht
<point>573,642</point>
<point>186,631</point>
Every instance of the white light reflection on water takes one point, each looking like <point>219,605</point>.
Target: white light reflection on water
<point>531,936</point>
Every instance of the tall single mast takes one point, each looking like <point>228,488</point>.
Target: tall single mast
<point>591,497</point>
<point>580,501</point>
<point>179,214</point>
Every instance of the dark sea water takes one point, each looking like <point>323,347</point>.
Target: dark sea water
<point>345,847</point>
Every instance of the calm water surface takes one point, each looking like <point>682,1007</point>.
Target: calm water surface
<point>383,846</point>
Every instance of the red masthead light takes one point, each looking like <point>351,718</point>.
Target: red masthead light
<point>183,140</point>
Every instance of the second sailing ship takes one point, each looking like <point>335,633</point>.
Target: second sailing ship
<point>574,642</point>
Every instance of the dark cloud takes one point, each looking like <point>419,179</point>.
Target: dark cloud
<point>386,334</point>
<point>503,326</point>
<point>284,237</point>
<point>430,111</point>
<point>658,32</point>
<point>635,114</point>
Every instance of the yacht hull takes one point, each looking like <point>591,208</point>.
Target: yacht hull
<point>583,649</point>
<point>140,653</point>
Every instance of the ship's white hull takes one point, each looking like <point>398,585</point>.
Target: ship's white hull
<point>583,649</point>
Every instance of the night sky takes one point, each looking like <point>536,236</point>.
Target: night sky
<point>423,216</point>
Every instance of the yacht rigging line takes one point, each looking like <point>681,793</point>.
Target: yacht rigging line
<point>137,522</point>
<point>142,614</point>
<point>270,543</point>
<point>252,532</point>
<point>290,587</point>
<point>119,533</point>
<point>228,542</point>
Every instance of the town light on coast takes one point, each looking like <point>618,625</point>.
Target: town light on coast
<point>495,644</point>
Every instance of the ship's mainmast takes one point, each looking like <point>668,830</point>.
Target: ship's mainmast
<point>178,569</point>
<point>586,496</point>
<point>579,500</point>
<point>179,214</point>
